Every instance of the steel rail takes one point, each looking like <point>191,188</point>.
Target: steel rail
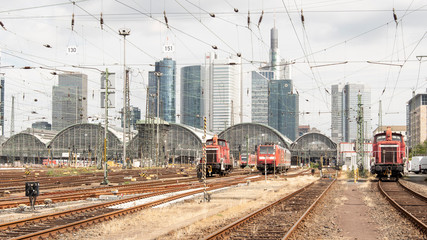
<point>295,226</point>
<point>51,232</point>
<point>218,234</point>
<point>411,217</point>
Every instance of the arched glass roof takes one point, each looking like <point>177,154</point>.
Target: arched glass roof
<point>85,139</point>
<point>316,144</point>
<point>246,136</point>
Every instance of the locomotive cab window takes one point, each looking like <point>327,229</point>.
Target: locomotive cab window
<point>266,150</point>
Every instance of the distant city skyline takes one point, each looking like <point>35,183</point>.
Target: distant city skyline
<point>357,42</point>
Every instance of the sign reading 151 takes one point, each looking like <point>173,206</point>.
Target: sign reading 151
<point>168,48</point>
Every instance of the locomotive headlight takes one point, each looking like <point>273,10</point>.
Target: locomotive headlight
<point>271,158</point>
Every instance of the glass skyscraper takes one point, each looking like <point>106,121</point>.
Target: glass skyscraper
<point>69,101</point>
<point>259,111</point>
<point>273,100</point>
<point>192,111</point>
<point>344,111</point>
<point>167,107</point>
<point>283,105</point>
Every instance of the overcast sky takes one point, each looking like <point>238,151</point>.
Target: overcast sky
<point>353,41</point>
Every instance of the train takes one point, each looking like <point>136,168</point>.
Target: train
<point>388,154</point>
<point>273,158</point>
<point>218,159</point>
<point>245,161</point>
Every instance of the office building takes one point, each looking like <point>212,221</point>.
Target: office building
<point>165,72</point>
<point>42,125</point>
<point>133,116</point>
<point>416,120</point>
<point>69,101</point>
<point>274,102</point>
<point>344,111</point>
<point>283,105</point>
<point>223,88</point>
<point>192,101</point>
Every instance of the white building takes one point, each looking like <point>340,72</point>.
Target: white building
<point>222,92</point>
<point>347,155</point>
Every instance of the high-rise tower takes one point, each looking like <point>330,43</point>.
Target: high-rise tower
<point>344,111</point>
<point>166,74</point>
<point>273,99</point>
<point>69,101</point>
<point>192,101</point>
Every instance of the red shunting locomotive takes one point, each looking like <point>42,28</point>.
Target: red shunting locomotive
<point>388,154</point>
<point>217,157</point>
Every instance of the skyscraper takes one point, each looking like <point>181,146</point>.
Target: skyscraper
<point>223,85</point>
<point>167,77</point>
<point>133,116</point>
<point>273,99</point>
<point>416,119</point>
<point>344,111</point>
<point>192,101</point>
<point>259,98</point>
<point>283,105</point>
<point>69,101</point>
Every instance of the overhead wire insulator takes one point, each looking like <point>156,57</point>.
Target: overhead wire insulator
<point>101,22</point>
<point>212,14</point>
<point>47,46</point>
<point>236,10</point>
<point>166,19</point>
<point>2,25</point>
<point>260,18</point>
<point>395,16</point>
<point>72,22</point>
<point>239,54</point>
<point>302,17</point>
<point>249,19</point>
<point>214,47</point>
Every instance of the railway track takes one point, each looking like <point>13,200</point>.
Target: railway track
<point>279,219</point>
<point>50,224</point>
<point>410,203</point>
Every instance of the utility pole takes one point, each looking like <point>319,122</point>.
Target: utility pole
<point>360,132</point>
<point>380,116</point>
<point>124,32</point>
<point>105,182</point>
<point>158,75</point>
<point>12,119</point>
<point>205,194</point>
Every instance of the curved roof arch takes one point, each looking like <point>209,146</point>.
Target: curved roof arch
<point>314,141</point>
<point>243,138</point>
<point>83,138</point>
<point>24,144</point>
<point>285,140</point>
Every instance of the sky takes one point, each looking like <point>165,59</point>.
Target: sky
<point>340,41</point>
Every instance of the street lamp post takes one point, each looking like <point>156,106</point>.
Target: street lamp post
<point>124,32</point>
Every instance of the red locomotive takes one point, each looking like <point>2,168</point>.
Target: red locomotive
<point>245,161</point>
<point>388,153</point>
<point>217,157</point>
<point>272,158</point>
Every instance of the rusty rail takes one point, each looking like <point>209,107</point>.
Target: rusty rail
<point>410,195</point>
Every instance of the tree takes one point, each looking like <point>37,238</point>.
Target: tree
<point>418,150</point>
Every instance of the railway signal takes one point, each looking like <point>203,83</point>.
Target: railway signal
<point>32,191</point>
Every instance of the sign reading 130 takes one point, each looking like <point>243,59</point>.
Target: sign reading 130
<point>168,48</point>
<point>72,50</point>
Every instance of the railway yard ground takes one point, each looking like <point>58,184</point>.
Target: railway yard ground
<point>348,210</point>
